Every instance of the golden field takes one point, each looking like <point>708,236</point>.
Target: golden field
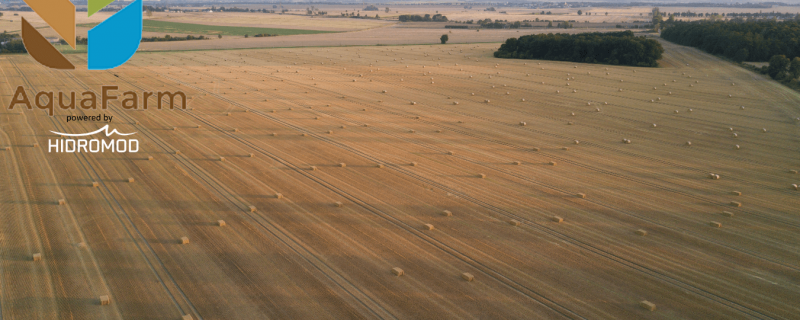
<point>332,166</point>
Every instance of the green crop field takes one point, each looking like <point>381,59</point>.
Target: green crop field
<point>201,29</point>
<point>66,49</point>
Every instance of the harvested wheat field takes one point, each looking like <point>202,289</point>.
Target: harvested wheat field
<point>409,182</point>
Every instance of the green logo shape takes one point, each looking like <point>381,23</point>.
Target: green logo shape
<point>97,5</point>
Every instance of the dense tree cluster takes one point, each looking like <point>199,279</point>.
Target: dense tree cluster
<point>415,17</point>
<point>740,41</point>
<point>371,8</point>
<point>616,48</point>
<point>782,69</point>
<point>11,43</point>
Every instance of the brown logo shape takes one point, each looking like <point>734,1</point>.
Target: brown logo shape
<point>60,15</point>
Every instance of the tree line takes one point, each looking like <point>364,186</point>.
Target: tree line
<point>615,48</point>
<point>750,15</point>
<point>415,17</point>
<point>738,40</point>
<point>502,24</point>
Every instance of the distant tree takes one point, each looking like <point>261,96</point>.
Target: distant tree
<point>657,16</point>
<point>606,13</point>
<point>444,38</point>
<point>550,24</point>
<point>387,10</point>
<point>149,13</point>
<point>580,12</point>
<point>246,35</point>
<point>777,66</point>
<point>219,36</point>
<point>741,55</point>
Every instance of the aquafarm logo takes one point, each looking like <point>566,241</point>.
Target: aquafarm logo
<point>111,43</point>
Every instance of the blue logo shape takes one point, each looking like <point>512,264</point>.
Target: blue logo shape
<point>115,40</point>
